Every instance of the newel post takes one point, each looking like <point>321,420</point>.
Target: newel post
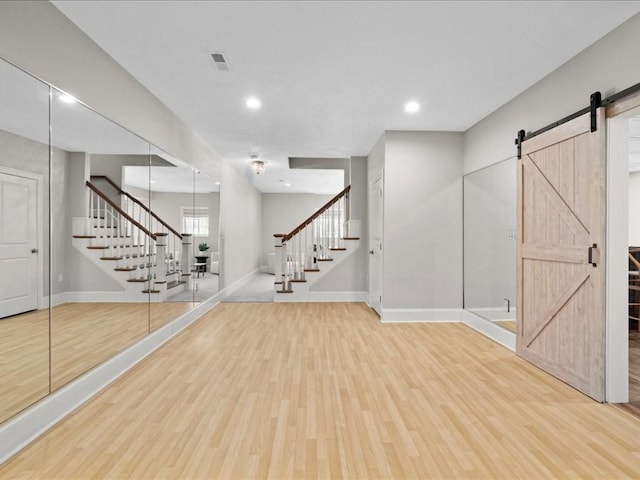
<point>279,251</point>
<point>160,269</point>
<point>187,254</point>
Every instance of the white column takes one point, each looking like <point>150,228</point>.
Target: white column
<point>279,251</point>
<point>187,254</point>
<point>160,269</point>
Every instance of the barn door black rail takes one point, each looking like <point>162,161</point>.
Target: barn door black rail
<point>595,102</point>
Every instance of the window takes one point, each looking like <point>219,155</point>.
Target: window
<point>195,221</point>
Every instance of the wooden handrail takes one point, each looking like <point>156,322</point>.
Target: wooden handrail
<point>322,209</point>
<point>118,209</point>
<point>135,200</point>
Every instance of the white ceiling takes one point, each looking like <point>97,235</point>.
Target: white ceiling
<point>169,179</point>
<point>332,76</point>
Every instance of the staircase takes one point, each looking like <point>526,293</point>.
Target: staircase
<point>313,249</point>
<point>131,244</point>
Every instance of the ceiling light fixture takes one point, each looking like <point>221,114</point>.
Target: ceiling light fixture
<point>253,103</point>
<point>257,165</point>
<point>411,107</point>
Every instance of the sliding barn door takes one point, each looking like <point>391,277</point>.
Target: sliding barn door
<point>561,276</point>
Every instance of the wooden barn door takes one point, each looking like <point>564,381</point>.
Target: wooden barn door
<point>561,275</point>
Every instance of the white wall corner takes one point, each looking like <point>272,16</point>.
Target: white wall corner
<point>421,315</point>
<point>489,329</point>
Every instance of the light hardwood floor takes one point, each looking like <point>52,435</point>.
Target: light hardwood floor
<point>24,361</point>
<point>83,335</point>
<point>508,324</point>
<point>327,391</point>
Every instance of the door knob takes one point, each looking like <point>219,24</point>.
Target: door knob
<point>370,252</point>
<point>34,250</point>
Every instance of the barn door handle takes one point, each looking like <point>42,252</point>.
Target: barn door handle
<point>591,249</point>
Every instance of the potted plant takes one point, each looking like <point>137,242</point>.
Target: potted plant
<point>203,247</point>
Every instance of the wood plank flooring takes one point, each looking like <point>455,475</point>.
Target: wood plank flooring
<point>508,324</point>
<point>327,391</point>
<point>83,335</point>
<point>24,361</point>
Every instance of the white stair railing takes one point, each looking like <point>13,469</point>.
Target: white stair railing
<point>310,243</point>
<point>144,245</point>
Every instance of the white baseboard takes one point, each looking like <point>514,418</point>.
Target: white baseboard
<point>56,299</point>
<point>417,315</point>
<point>337,296</point>
<point>106,297</point>
<point>501,335</point>
<point>25,427</point>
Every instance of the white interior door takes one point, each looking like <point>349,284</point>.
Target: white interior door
<point>18,245</point>
<point>375,245</point>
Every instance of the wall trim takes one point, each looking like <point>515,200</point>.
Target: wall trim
<point>26,426</point>
<point>417,315</point>
<point>56,299</point>
<point>105,297</point>
<point>348,296</point>
<point>489,329</point>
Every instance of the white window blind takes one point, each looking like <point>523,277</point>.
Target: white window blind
<point>195,221</point>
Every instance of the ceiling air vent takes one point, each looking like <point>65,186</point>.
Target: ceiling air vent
<point>220,61</point>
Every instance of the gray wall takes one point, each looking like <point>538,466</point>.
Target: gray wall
<point>422,244</point>
<point>240,226</point>
<point>353,274</point>
<point>610,65</point>
<point>490,236</point>
<point>282,212</point>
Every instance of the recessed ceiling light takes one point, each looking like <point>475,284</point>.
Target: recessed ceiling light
<point>411,107</point>
<point>152,181</point>
<point>287,184</point>
<point>253,103</point>
<point>67,99</point>
<point>217,183</point>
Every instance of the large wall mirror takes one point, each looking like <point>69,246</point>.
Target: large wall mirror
<point>24,240</point>
<point>101,252</point>
<point>490,237</point>
<point>104,239</point>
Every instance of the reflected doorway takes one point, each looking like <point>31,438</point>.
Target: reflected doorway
<point>19,243</point>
